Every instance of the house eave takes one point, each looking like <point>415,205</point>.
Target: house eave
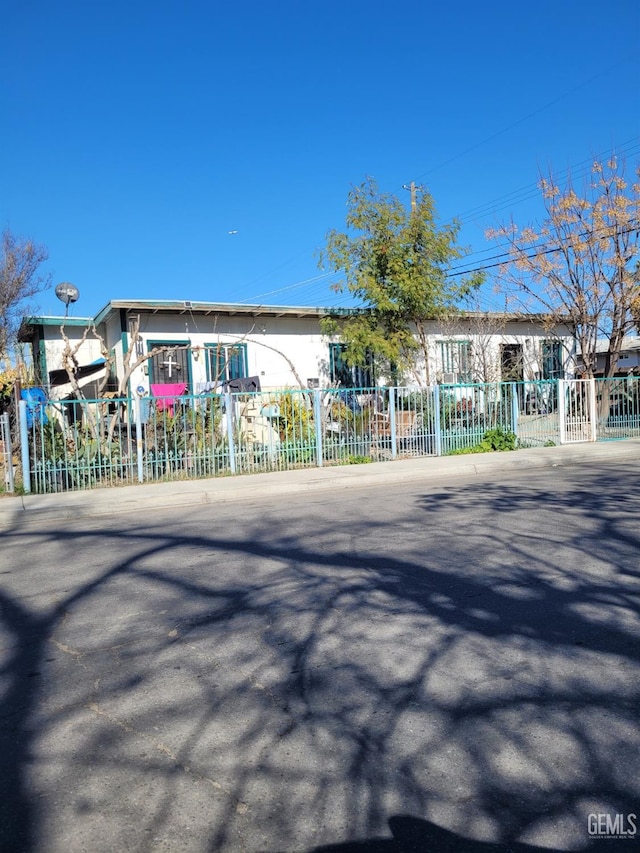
<point>30,324</point>
<point>229,309</point>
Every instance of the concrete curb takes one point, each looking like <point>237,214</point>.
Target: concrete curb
<point>33,509</point>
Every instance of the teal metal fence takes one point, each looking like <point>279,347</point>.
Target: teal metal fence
<point>83,444</point>
<point>618,408</point>
<point>537,405</point>
<point>72,445</point>
<point>469,412</point>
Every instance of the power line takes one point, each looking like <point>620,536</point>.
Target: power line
<point>631,146</point>
<point>627,148</point>
<point>288,287</point>
<point>531,190</point>
<point>580,169</point>
<point>535,254</point>
<point>520,120</point>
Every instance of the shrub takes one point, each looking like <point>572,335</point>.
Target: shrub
<point>357,459</point>
<point>496,439</point>
<point>499,439</point>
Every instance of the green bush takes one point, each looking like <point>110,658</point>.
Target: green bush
<point>499,439</point>
<point>357,459</point>
<point>496,439</point>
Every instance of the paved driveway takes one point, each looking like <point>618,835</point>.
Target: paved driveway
<point>431,667</point>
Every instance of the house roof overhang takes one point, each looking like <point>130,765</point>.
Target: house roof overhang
<point>230,309</point>
<point>30,324</point>
<point>158,306</point>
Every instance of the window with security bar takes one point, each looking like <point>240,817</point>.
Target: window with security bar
<point>344,375</point>
<point>226,362</point>
<point>552,366</point>
<point>456,361</point>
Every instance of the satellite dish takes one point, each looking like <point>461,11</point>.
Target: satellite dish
<point>67,293</point>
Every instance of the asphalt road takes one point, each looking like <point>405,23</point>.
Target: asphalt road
<point>404,668</point>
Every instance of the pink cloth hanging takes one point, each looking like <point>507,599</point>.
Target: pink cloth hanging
<point>166,394</point>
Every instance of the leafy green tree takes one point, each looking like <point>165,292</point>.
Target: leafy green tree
<point>396,263</point>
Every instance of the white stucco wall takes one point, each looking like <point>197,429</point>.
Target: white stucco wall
<point>272,341</point>
<point>269,343</point>
<point>54,345</point>
<point>487,341</point>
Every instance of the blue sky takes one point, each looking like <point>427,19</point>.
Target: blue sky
<point>136,135</point>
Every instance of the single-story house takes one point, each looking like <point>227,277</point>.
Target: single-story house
<point>200,346</point>
<point>628,362</point>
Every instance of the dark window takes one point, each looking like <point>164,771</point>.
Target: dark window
<point>343,375</point>
<point>226,362</point>
<point>552,367</point>
<point>511,362</point>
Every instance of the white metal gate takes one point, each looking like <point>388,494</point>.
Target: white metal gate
<point>577,410</point>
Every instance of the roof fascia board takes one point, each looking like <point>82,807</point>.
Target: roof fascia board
<point>276,311</point>
<point>59,321</point>
<point>229,308</point>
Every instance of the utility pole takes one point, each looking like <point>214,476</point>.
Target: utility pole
<point>412,189</point>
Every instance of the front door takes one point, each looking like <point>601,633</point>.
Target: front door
<point>171,366</point>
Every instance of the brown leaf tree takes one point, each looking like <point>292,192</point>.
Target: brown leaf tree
<point>581,262</point>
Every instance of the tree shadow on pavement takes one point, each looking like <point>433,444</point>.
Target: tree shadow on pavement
<point>291,675</point>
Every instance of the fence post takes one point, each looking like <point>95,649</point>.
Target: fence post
<point>317,417</point>
<point>436,419</point>
<point>562,410</point>
<point>514,409</point>
<point>593,419</point>
<point>5,436</point>
<point>228,403</point>
<point>138,419</point>
<point>24,445</point>
<point>392,422</point>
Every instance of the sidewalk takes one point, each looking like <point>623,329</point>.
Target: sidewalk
<point>126,499</point>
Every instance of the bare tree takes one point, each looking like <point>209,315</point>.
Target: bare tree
<point>580,264</point>
<point>70,365</point>
<point>131,361</point>
<point>20,280</point>
<point>483,332</point>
